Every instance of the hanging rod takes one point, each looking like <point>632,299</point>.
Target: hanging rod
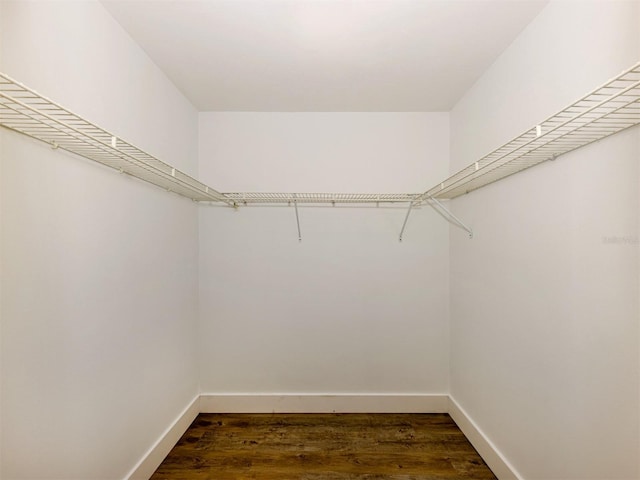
<point>609,109</point>
<point>27,112</point>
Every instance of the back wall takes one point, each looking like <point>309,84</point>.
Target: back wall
<point>350,309</point>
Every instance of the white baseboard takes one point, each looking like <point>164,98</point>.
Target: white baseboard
<point>156,454</point>
<point>487,450</point>
<point>227,403</point>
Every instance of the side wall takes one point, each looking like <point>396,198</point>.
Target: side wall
<point>544,310</point>
<point>1,276</point>
<point>350,309</point>
<point>99,271</point>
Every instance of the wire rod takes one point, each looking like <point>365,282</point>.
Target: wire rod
<point>405,220</point>
<point>295,206</point>
<point>451,217</point>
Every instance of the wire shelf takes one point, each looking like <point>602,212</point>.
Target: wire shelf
<point>25,111</point>
<point>329,198</point>
<point>611,108</point>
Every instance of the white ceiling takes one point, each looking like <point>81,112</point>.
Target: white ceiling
<point>324,55</point>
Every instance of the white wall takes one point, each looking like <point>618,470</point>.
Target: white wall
<point>99,271</point>
<point>350,309</point>
<point>544,312</point>
<point>1,276</point>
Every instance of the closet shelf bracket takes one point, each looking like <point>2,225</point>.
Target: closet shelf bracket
<point>448,215</point>
<point>406,218</point>
<point>295,206</point>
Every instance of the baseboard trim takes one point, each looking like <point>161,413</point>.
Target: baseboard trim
<point>290,403</point>
<point>487,450</point>
<point>157,453</point>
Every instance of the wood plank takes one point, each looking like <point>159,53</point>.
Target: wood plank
<point>323,446</point>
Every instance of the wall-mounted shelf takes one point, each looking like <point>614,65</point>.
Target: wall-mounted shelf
<point>254,198</point>
<point>27,112</point>
<point>611,108</point>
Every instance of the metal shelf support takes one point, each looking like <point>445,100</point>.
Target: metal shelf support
<point>449,216</point>
<point>295,206</point>
<point>405,220</point>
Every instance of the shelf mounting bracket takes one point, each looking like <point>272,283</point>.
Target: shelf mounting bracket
<point>448,215</point>
<point>295,206</point>
<point>406,218</point>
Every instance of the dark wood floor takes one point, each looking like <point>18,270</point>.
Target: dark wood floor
<point>323,446</point>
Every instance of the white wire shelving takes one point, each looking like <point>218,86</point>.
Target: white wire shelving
<point>25,111</point>
<point>609,109</point>
<point>254,198</point>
